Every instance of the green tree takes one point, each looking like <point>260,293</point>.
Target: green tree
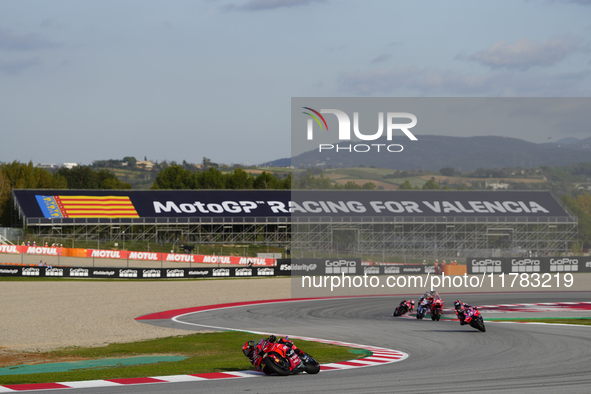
<point>130,160</point>
<point>405,185</point>
<point>431,185</point>
<point>240,179</point>
<point>17,175</point>
<point>211,179</point>
<point>80,177</point>
<point>107,180</point>
<point>174,177</point>
<point>447,171</point>
<point>350,185</point>
<point>583,217</point>
<point>266,180</point>
<point>584,202</point>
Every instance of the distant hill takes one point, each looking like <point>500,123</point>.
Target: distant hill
<point>433,152</point>
<point>566,141</point>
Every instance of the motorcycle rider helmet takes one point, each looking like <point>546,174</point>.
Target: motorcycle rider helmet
<point>457,304</point>
<point>412,302</point>
<point>248,348</point>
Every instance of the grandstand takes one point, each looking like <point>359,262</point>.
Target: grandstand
<point>372,225</point>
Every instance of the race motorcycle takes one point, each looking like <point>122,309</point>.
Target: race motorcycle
<point>401,309</point>
<point>436,308</point>
<point>422,309</point>
<point>474,318</point>
<point>280,358</point>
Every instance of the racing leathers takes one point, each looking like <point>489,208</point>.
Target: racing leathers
<point>461,313</point>
<point>256,356</point>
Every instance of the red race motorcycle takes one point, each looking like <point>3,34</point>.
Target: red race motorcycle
<point>436,308</point>
<point>474,318</point>
<point>404,307</point>
<point>280,358</point>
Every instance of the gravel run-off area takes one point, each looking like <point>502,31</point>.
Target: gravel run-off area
<point>47,315</point>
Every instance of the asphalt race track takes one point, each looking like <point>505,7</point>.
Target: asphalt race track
<point>444,357</point>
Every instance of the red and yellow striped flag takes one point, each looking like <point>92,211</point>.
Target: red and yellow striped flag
<point>96,207</point>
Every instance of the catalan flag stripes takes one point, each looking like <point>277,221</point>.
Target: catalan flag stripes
<point>96,207</point>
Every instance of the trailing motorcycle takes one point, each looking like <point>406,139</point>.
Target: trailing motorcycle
<point>404,307</point>
<point>422,309</point>
<point>436,308</point>
<point>281,359</point>
<point>474,318</point>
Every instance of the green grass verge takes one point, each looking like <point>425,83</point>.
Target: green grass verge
<point>206,352</point>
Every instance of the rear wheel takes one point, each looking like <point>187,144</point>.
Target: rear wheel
<point>277,364</point>
<point>436,314</point>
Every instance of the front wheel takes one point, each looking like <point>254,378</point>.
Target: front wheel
<point>421,313</point>
<point>277,364</point>
<point>312,366</point>
<point>480,325</point>
<point>396,312</point>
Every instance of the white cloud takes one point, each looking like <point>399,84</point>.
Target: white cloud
<point>381,58</point>
<point>581,2</point>
<point>525,53</point>
<point>24,42</point>
<point>424,82</point>
<point>262,5</point>
<point>19,65</point>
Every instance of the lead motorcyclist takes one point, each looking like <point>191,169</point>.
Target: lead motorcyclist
<point>461,308</point>
<point>254,352</point>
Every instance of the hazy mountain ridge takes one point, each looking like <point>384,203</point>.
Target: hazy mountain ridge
<point>432,152</point>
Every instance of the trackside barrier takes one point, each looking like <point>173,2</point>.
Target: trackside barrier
<point>138,273</point>
<point>132,255</point>
<point>306,267</point>
<point>532,264</point>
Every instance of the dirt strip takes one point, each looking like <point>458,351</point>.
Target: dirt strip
<point>41,316</point>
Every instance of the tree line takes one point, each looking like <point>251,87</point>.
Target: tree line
<point>18,175</point>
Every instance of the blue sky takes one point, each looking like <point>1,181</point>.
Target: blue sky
<point>179,80</point>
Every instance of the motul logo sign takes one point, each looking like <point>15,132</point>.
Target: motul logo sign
<point>185,258</point>
<point>8,249</point>
<point>108,254</point>
<point>143,256</point>
<point>217,259</point>
<point>43,251</point>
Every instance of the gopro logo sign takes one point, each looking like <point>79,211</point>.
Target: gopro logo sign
<point>525,265</point>
<point>564,265</point>
<point>340,267</point>
<point>487,265</point>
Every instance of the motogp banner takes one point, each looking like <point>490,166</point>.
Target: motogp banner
<point>179,257</point>
<point>67,205</point>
